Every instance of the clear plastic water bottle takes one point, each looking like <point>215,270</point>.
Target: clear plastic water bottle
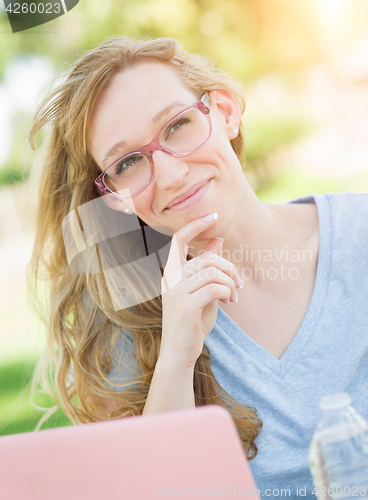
<point>339,451</point>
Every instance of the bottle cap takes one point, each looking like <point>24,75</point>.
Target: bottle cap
<point>335,401</point>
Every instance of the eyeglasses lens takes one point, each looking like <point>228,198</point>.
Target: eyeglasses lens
<point>182,135</point>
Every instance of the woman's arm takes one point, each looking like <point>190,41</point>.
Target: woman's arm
<point>171,388</point>
<point>190,291</point>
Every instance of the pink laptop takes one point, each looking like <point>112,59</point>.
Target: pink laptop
<point>184,453</point>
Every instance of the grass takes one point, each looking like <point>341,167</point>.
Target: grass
<point>16,412</point>
<point>19,352</point>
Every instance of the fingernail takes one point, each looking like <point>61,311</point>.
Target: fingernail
<point>236,296</point>
<point>221,239</point>
<point>240,283</point>
<point>211,217</point>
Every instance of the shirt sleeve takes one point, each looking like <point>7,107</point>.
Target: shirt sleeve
<point>125,367</point>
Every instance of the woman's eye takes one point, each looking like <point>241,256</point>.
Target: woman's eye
<point>177,125</point>
<point>125,164</point>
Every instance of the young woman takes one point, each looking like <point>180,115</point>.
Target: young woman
<point>261,307</point>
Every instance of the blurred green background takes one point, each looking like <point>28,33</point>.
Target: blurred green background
<point>304,65</point>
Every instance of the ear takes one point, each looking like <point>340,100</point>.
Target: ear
<point>229,109</point>
<point>115,203</point>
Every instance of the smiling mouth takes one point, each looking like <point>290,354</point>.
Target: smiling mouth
<point>191,200</point>
<point>191,191</point>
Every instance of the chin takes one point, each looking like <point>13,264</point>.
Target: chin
<point>167,231</point>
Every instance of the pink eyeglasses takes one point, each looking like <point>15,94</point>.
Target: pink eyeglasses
<point>187,131</point>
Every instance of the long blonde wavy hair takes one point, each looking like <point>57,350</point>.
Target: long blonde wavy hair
<point>84,342</point>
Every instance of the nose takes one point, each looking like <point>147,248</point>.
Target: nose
<point>169,170</point>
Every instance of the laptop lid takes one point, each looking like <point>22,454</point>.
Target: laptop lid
<point>183,453</point>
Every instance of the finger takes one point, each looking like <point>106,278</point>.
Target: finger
<point>215,245</point>
<point>207,276</point>
<point>210,259</point>
<point>179,249</point>
<point>184,235</point>
<point>209,293</point>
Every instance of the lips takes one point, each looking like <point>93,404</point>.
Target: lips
<point>187,193</point>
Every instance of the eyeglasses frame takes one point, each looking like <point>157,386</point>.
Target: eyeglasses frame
<point>203,105</point>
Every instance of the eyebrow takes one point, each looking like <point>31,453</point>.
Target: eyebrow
<point>118,145</point>
<point>168,108</point>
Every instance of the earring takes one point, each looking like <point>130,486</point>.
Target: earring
<point>127,210</point>
<point>235,131</point>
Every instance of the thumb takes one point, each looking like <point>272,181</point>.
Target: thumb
<point>215,245</point>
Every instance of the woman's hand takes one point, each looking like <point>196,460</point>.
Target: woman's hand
<point>190,291</point>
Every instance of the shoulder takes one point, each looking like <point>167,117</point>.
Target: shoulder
<point>347,203</point>
<point>343,223</point>
<point>348,214</point>
<point>345,211</point>
<point>346,218</point>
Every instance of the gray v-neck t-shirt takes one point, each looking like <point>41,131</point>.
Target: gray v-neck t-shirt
<point>328,354</point>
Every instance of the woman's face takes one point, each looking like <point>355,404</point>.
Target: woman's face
<point>135,106</point>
